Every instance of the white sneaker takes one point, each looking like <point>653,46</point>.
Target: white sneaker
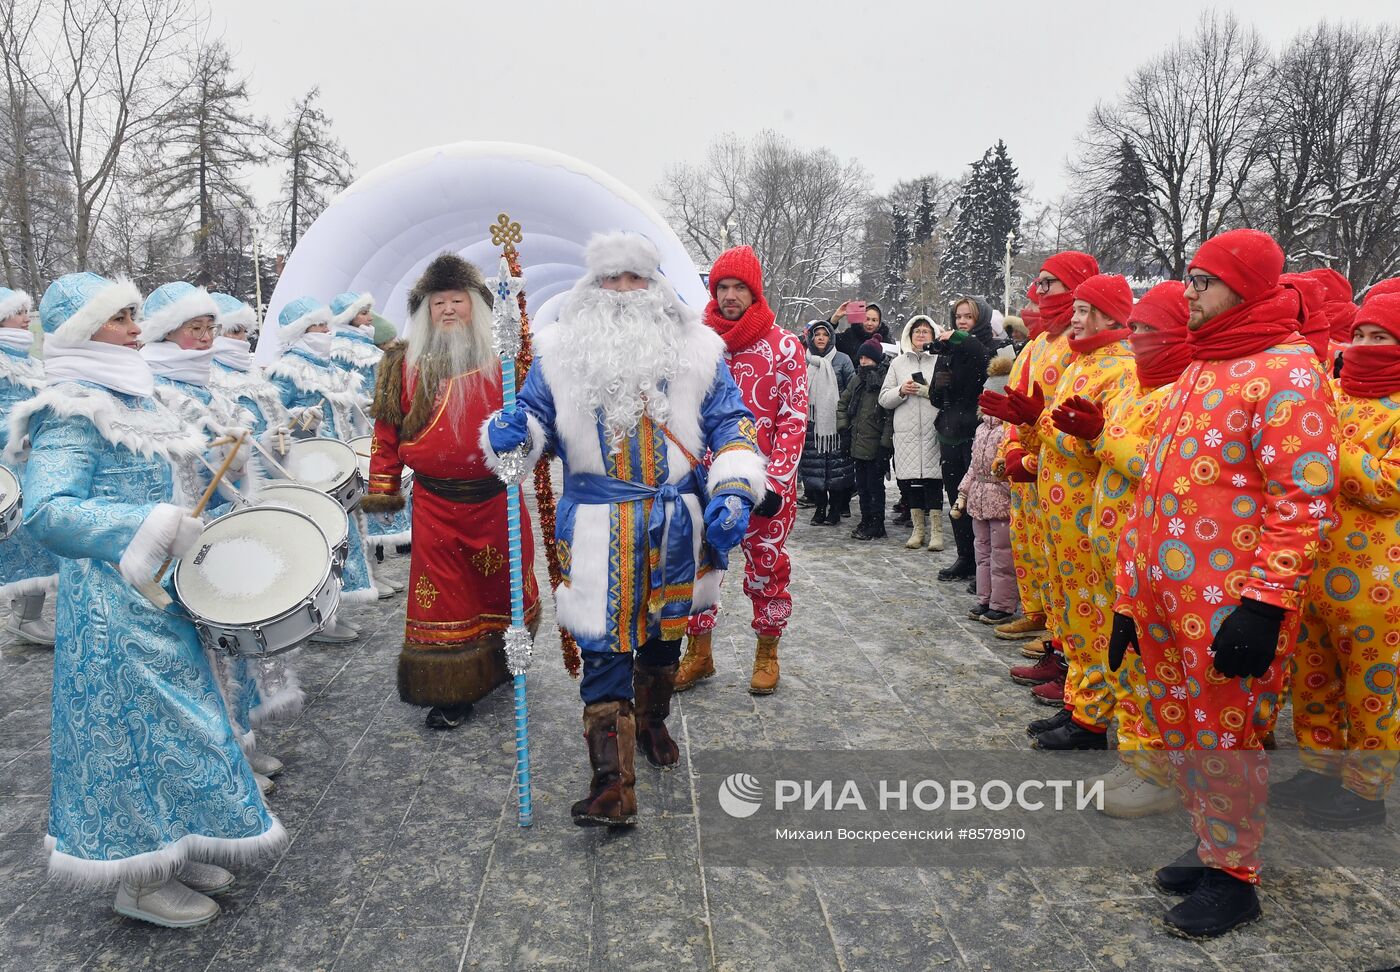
<point>1121,775</point>
<point>204,878</point>
<point>337,632</point>
<point>264,764</point>
<point>170,905</point>
<point>1140,798</point>
<point>265,784</point>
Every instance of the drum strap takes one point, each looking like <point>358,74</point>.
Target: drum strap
<point>461,490</point>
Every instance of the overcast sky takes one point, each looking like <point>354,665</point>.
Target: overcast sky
<point>905,87</point>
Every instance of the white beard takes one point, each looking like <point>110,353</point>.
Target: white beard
<point>623,350</point>
<point>436,354</point>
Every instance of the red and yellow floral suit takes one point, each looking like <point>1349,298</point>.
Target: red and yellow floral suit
<point>1344,694</point>
<point>1240,483</point>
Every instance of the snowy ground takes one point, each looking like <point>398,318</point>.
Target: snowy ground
<point>405,852</point>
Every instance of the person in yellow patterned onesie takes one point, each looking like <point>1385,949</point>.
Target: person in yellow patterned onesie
<point>1344,694</point>
<point>1045,360</point>
<point>1215,561</point>
<point>1067,470</point>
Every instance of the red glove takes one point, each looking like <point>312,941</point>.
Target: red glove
<point>1079,417</point>
<point>995,404</point>
<point>1016,470</point>
<point>1026,409</point>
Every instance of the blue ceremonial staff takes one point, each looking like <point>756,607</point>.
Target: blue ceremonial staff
<point>512,468</point>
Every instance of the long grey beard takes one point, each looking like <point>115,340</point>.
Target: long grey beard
<point>437,355</point>
<point>624,348</point>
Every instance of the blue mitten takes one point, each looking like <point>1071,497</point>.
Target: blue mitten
<point>726,521</point>
<point>508,430</point>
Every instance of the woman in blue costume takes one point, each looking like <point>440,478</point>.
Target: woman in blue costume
<point>353,348</point>
<point>149,784</point>
<point>303,377</point>
<point>177,335</point>
<point>28,572</point>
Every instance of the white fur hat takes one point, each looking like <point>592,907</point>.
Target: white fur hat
<point>170,305</point>
<point>609,254</point>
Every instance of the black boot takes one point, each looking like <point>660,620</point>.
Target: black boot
<point>1344,810</point>
<point>839,501</point>
<point>876,530</point>
<point>901,515</point>
<point>1183,874</point>
<point>1071,736</point>
<point>861,532</point>
<point>448,716</point>
<point>1039,726</point>
<point>1219,904</point>
<point>960,569</point>
<point>842,509</point>
<point>818,499</point>
<point>1304,788</point>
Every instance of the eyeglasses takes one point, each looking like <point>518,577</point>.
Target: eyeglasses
<point>1200,282</point>
<point>1043,284</point>
<point>199,330</point>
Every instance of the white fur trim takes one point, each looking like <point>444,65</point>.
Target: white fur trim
<point>96,312</point>
<point>287,702</point>
<point>315,381</point>
<point>387,541</point>
<point>151,544</point>
<point>48,586</point>
<point>367,596</point>
<point>706,594</point>
<point>537,442</point>
<point>26,372</point>
<point>16,302</point>
<point>196,303</point>
<point>289,334</point>
<point>153,432</point>
<point>354,352</point>
<point>242,319</point>
<point>581,606</point>
<point>741,464</point>
<point>162,863</point>
<point>609,254</point>
<point>362,302</point>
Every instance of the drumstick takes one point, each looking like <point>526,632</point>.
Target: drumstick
<point>153,590</point>
<point>275,464</point>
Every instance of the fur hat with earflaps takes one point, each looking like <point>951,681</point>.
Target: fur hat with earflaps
<point>447,271</point>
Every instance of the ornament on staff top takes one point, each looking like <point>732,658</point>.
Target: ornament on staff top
<point>505,311</point>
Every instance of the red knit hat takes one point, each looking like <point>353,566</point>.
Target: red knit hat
<point>1383,311</point>
<point>1109,294</point>
<point>1390,285</point>
<point>1314,326</point>
<point>1163,308</point>
<point>741,263</point>
<point>1247,260</point>
<point>1071,268</point>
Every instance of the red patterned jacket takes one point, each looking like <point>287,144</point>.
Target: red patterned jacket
<point>772,377</point>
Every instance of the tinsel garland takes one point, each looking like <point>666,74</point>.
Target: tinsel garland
<point>544,486</point>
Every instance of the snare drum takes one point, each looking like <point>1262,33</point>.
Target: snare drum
<point>328,465</point>
<point>260,583</point>
<point>11,503</point>
<point>328,514</point>
<point>364,448</point>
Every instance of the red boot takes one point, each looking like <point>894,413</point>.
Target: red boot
<point>1050,693</point>
<point>1051,667</point>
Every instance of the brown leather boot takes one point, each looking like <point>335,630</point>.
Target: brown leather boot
<point>653,687</point>
<point>697,662</point>
<point>612,741</point>
<point>765,666</point>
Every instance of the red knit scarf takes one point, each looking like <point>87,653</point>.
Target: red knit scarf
<point>739,334</point>
<point>1160,356</point>
<point>1055,312</point>
<point>1090,344</point>
<point>1372,371</point>
<point>1251,327</point>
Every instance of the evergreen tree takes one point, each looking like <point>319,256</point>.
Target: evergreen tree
<point>208,141</point>
<point>989,207</point>
<point>894,288</point>
<point>316,165</point>
<point>925,219</point>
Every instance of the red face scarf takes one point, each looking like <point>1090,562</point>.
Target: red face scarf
<point>1055,312</point>
<point>1249,328</point>
<point>1103,339</point>
<point>1160,356</point>
<point>739,334</point>
<point>1371,371</point>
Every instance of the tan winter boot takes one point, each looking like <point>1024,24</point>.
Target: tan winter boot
<point>652,687</point>
<point>611,734</point>
<point>765,666</point>
<point>935,530</point>
<point>916,539</point>
<point>697,663</point>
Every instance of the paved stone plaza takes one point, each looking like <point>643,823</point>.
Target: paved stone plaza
<point>405,851</point>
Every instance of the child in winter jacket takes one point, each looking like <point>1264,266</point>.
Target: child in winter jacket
<point>986,498</point>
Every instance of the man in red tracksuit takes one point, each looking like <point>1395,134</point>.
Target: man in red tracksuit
<point>1213,567</point>
<point>770,368</point>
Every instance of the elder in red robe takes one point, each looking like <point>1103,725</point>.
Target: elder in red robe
<point>432,397</point>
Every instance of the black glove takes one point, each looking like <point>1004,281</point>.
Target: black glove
<point>1123,637</point>
<point>770,506</point>
<point>1248,639</point>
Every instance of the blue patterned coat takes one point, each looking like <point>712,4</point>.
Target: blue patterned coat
<point>353,352</point>
<point>25,566</point>
<point>146,769</point>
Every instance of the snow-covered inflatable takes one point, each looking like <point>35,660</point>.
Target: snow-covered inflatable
<point>379,234</point>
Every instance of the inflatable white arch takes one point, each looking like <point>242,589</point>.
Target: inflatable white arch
<point>380,233</point>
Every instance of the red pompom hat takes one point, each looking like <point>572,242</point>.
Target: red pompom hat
<point>1247,260</point>
<point>1109,294</point>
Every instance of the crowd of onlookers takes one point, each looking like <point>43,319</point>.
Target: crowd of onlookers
<point>903,401</point>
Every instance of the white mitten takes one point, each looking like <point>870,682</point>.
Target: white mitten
<point>219,453</point>
<point>961,505</point>
<point>167,531</point>
<point>277,439</point>
<point>309,417</point>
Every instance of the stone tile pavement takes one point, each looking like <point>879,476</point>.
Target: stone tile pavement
<point>405,852</point>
